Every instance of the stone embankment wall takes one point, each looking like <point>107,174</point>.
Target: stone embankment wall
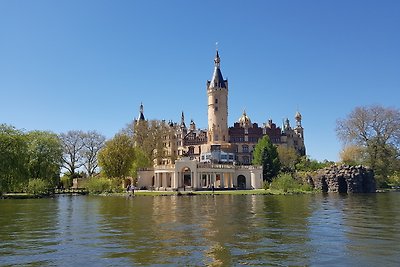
<point>345,179</point>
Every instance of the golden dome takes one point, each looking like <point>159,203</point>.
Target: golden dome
<point>245,121</point>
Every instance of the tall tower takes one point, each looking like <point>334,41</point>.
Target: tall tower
<point>217,92</point>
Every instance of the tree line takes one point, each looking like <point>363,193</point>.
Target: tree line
<point>371,136</point>
<point>31,161</point>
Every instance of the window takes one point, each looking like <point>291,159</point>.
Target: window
<point>216,109</point>
<point>216,101</point>
<point>245,148</point>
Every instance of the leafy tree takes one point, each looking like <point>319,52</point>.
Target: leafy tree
<point>73,145</point>
<point>352,155</point>
<point>117,156</point>
<point>45,156</point>
<point>13,159</point>
<point>266,154</point>
<point>376,129</point>
<point>140,161</point>
<point>308,165</point>
<point>149,136</point>
<point>288,158</point>
<point>92,143</point>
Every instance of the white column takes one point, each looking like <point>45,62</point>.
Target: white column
<point>175,180</point>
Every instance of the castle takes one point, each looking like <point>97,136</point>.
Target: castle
<point>220,156</point>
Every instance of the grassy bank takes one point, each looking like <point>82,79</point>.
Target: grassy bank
<point>216,192</point>
<point>21,196</point>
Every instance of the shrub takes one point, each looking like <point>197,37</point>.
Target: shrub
<point>66,181</point>
<point>38,187</point>
<point>116,185</point>
<point>98,185</point>
<point>394,179</point>
<point>286,183</point>
<point>265,185</point>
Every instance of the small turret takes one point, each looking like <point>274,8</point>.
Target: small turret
<point>297,117</point>
<point>192,126</point>
<point>183,125</point>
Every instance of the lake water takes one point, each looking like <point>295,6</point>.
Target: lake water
<point>224,230</point>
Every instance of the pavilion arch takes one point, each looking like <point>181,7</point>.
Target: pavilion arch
<point>187,176</point>
<point>241,182</point>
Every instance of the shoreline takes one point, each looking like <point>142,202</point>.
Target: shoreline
<point>180,193</point>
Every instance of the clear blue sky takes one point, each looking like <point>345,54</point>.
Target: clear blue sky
<point>87,65</point>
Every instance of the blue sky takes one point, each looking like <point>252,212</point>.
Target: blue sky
<point>87,65</point>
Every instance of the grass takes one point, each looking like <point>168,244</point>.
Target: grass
<point>216,192</point>
<point>18,196</point>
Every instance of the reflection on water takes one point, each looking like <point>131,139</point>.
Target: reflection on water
<point>225,230</point>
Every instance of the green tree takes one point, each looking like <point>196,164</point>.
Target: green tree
<point>45,156</point>
<point>140,161</point>
<point>149,136</point>
<point>308,165</point>
<point>266,154</point>
<point>13,159</point>
<point>376,129</point>
<point>288,158</point>
<point>117,156</point>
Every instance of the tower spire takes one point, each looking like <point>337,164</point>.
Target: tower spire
<point>183,125</point>
<point>141,113</point>
<point>217,80</point>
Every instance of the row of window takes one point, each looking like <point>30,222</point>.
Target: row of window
<point>243,139</point>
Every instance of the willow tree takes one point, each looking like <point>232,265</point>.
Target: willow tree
<point>14,172</point>
<point>376,130</point>
<point>45,156</point>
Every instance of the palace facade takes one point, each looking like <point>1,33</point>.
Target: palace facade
<point>219,156</point>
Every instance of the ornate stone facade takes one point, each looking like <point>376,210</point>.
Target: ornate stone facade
<point>215,156</point>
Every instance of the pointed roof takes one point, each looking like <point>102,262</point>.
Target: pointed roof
<point>183,125</point>
<point>217,78</point>
<point>141,115</point>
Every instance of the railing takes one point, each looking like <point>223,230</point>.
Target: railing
<point>227,166</point>
<point>80,191</point>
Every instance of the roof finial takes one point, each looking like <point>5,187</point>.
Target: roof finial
<point>217,60</point>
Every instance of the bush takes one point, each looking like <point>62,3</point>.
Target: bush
<point>98,185</point>
<point>38,187</point>
<point>394,179</point>
<point>265,185</point>
<point>66,181</point>
<point>116,185</point>
<point>286,183</point>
